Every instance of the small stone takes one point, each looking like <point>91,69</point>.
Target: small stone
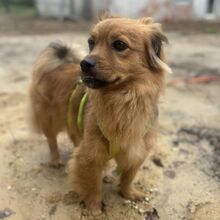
<point>127,202</point>
<point>133,203</point>
<point>6,213</point>
<point>9,188</point>
<point>33,189</point>
<point>146,199</point>
<point>141,211</point>
<point>157,161</point>
<point>176,143</point>
<point>135,207</point>
<point>153,190</point>
<point>152,215</point>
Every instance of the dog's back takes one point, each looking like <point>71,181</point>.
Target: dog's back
<point>53,77</point>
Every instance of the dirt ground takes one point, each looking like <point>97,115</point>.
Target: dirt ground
<point>181,178</point>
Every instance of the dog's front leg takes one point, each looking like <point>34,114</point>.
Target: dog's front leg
<point>127,189</point>
<point>86,169</point>
<point>129,168</point>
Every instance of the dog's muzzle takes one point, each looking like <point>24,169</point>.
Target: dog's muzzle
<point>87,65</point>
<point>89,74</point>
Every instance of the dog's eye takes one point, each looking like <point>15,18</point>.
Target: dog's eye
<point>91,43</point>
<point>119,45</point>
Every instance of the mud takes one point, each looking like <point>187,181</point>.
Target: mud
<point>181,178</point>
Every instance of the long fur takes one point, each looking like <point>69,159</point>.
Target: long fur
<point>118,114</point>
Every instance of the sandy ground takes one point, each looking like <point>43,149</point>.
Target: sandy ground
<point>181,178</point>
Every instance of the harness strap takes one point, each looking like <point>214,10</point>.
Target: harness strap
<point>113,150</point>
<point>69,109</point>
<point>80,113</point>
<point>80,110</point>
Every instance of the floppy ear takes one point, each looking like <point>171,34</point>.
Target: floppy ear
<point>157,40</point>
<point>154,46</point>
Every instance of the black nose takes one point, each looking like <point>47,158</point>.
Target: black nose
<point>87,64</point>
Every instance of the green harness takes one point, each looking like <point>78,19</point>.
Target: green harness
<point>80,110</point>
<point>113,148</point>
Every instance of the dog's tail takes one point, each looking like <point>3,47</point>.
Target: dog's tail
<point>54,56</point>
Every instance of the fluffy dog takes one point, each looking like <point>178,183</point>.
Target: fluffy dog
<point>123,76</point>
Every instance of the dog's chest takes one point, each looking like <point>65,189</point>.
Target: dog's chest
<point>122,119</point>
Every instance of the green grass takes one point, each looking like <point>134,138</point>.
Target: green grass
<point>18,9</point>
<point>211,30</point>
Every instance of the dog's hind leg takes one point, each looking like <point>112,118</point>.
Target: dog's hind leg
<point>50,128</point>
<point>54,152</point>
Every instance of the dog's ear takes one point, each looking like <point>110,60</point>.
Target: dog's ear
<point>154,46</point>
<point>157,39</point>
<point>105,14</point>
<point>146,20</point>
<point>102,15</point>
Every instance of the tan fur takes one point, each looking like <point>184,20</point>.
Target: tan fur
<point>121,110</point>
<point>53,81</point>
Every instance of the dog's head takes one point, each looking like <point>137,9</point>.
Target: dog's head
<point>121,49</point>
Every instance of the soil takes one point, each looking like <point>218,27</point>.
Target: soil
<point>181,178</point>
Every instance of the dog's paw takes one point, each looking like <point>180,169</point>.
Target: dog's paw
<point>94,209</point>
<point>56,164</point>
<point>132,194</point>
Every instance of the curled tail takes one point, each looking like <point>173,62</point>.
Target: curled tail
<point>54,56</point>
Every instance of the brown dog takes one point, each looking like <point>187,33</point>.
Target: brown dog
<point>123,76</point>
